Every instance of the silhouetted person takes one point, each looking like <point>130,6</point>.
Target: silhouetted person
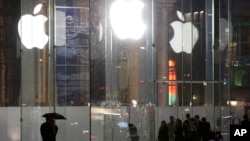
<point>178,130</point>
<point>218,136</point>
<point>171,125</point>
<point>185,127</point>
<point>205,129</point>
<point>197,124</point>
<point>133,135</point>
<point>245,121</point>
<point>49,130</point>
<point>192,130</point>
<point>189,128</point>
<point>163,131</point>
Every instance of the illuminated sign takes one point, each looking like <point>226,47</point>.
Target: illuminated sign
<point>172,86</point>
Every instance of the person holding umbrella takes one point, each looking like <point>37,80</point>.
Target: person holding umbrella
<point>132,132</point>
<point>49,128</point>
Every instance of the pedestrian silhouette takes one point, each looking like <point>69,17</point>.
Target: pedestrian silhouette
<point>218,136</point>
<point>197,124</point>
<point>171,125</point>
<point>205,130</point>
<point>133,135</point>
<point>245,121</point>
<point>163,131</point>
<point>178,130</point>
<point>49,130</point>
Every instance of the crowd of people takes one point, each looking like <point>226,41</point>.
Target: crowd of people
<point>191,129</point>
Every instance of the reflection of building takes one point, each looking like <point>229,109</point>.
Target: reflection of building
<point>72,68</point>
<point>9,56</point>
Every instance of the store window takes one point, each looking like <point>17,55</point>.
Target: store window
<point>72,53</point>
<point>191,56</point>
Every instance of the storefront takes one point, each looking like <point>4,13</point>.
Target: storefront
<point>106,63</point>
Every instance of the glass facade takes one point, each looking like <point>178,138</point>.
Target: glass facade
<point>106,63</point>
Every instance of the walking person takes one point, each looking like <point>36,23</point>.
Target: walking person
<point>189,128</point>
<point>197,124</point>
<point>49,130</point>
<point>245,121</point>
<point>133,134</point>
<point>178,130</point>
<point>218,136</point>
<point>163,131</point>
<point>171,126</point>
<point>205,130</point>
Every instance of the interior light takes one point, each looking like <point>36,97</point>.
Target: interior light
<point>126,19</point>
<point>232,103</point>
<point>134,103</point>
<point>142,47</point>
<point>172,86</point>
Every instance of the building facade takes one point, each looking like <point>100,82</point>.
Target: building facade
<point>106,63</point>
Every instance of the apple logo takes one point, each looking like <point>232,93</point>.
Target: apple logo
<point>185,35</point>
<point>31,29</point>
<point>126,19</point>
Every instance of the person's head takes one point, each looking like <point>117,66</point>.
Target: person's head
<point>188,116</point>
<point>48,118</point>
<point>178,121</point>
<point>130,125</point>
<point>245,117</point>
<point>171,118</point>
<point>197,118</point>
<point>163,123</point>
<point>218,135</point>
<point>192,119</point>
<point>203,119</point>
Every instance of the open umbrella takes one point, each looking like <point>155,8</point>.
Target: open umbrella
<point>54,115</point>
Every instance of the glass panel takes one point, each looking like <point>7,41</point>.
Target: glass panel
<point>122,72</point>
<point>233,57</point>
<point>55,75</point>
<point>9,55</point>
<point>72,53</point>
<point>204,72</point>
<point>36,66</point>
<point>180,41</point>
<point>72,68</point>
<point>10,70</point>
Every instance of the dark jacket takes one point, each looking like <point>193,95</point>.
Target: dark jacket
<point>163,133</point>
<point>133,133</point>
<point>48,131</point>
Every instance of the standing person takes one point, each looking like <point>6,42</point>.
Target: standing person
<point>197,124</point>
<point>185,127</point>
<point>205,129</point>
<point>49,130</point>
<point>178,130</point>
<point>245,121</point>
<point>171,126</point>
<point>163,131</point>
<point>133,135</point>
<point>189,128</point>
<point>218,136</point>
<point>192,130</point>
